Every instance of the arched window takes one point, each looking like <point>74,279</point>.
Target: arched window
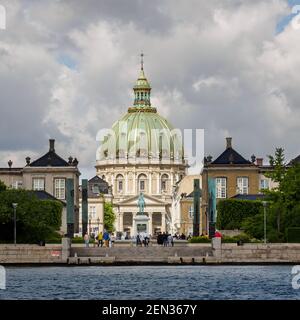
<point>164,180</point>
<point>120,180</point>
<point>142,179</point>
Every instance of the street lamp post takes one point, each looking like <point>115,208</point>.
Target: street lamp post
<point>90,224</point>
<point>15,222</point>
<point>265,220</point>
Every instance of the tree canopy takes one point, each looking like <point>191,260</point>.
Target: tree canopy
<point>36,219</point>
<point>109,217</point>
<point>283,210</point>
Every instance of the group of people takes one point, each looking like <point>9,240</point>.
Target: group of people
<point>165,239</point>
<point>99,240</point>
<point>142,239</point>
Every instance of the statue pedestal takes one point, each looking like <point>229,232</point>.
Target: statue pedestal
<point>141,224</point>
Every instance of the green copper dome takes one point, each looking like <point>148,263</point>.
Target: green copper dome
<point>142,132</point>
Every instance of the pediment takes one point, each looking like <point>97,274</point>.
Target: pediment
<point>149,201</point>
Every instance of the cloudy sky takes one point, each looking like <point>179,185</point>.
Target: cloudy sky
<point>67,69</point>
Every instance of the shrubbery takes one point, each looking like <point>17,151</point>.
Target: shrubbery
<point>204,239</point>
<point>36,219</point>
<point>232,212</point>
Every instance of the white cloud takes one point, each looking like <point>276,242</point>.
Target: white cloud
<point>216,65</point>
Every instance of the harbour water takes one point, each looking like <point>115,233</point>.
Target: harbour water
<point>150,282</point>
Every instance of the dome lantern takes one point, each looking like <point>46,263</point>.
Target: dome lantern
<point>142,93</point>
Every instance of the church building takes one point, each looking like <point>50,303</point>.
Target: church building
<point>142,154</point>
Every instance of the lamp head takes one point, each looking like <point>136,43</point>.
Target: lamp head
<point>14,205</point>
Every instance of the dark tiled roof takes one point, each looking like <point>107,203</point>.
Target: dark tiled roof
<point>96,186</point>
<point>43,195</point>
<point>249,196</point>
<point>295,161</point>
<point>97,179</point>
<point>230,156</point>
<point>50,159</point>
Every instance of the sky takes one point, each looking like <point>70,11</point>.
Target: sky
<point>229,67</point>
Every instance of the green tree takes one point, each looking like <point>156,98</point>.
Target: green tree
<point>2,186</point>
<point>232,212</point>
<point>283,211</point>
<point>36,219</point>
<point>109,217</point>
<point>277,175</point>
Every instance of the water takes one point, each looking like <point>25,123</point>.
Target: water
<point>150,282</point>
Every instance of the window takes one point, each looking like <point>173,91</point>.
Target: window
<point>60,189</point>
<point>142,185</point>
<point>264,184</point>
<point>242,185</point>
<point>38,183</point>
<point>164,179</point>
<point>142,182</point>
<point>191,212</point>
<point>120,186</point>
<point>92,212</point>
<point>96,189</point>
<point>120,183</point>
<point>17,185</point>
<point>221,185</point>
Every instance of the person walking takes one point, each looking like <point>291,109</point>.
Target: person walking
<point>86,239</point>
<point>100,239</point>
<point>106,238</point>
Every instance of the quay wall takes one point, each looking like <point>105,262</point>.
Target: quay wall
<point>30,254</point>
<point>186,253</point>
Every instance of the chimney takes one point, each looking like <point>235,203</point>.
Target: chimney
<point>259,161</point>
<point>51,145</point>
<point>228,142</point>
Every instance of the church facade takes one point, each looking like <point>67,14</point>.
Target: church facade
<point>142,154</point>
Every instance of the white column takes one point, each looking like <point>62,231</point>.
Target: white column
<point>126,183</point>
<point>113,183</point>
<point>163,222</point>
<point>150,224</point>
<point>150,183</point>
<point>172,182</point>
<point>133,230</point>
<point>158,181</point>
<point>134,183</point>
<point>121,221</point>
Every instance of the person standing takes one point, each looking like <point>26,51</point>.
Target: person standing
<point>165,239</point>
<point>106,238</point>
<point>86,239</point>
<point>100,239</point>
<point>170,241</point>
<point>138,240</point>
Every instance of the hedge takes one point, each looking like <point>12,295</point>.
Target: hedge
<point>36,219</point>
<point>293,235</point>
<point>200,240</point>
<point>232,212</point>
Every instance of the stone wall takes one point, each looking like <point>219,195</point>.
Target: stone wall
<point>258,253</point>
<point>186,253</point>
<point>11,254</point>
